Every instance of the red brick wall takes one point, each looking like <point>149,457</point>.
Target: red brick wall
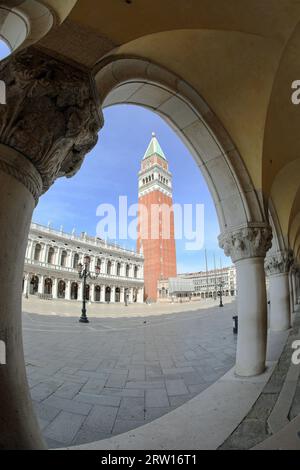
<point>160,253</point>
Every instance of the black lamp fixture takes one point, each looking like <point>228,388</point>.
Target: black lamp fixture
<point>84,272</point>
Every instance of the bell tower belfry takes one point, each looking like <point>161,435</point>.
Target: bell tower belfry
<point>156,218</point>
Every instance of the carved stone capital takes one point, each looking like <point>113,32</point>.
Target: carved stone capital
<point>52,117</point>
<point>279,262</point>
<point>295,268</point>
<point>246,242</point>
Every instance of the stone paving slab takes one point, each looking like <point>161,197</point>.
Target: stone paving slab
<point>117,372</point>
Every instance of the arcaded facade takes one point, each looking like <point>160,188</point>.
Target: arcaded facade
<point>51,268</point>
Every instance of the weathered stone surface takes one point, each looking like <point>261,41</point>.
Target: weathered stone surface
<point>51,117</point>
<point>246,242</point>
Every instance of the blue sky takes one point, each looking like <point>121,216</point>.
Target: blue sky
<point>111,170</point>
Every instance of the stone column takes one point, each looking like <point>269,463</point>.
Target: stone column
<point>41,284</point>
<point>277,267</point>
<point>68,290</point>
<point>130,292</point>
<point>247,248</point>
<point>294,275</point>
<point>26,285</point>
<point>92,292</point>
<point>102,294</point>
<point>113,294</point>
<point>50,122</point>
<point>29,250</point>
<point>54,288</point>
<point>80,291</point>
<point>140,297</point>
<point>122,298</point>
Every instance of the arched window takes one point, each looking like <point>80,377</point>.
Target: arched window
<point>61,290</point>
<point>108,267</point>
<point>37,252</point>
<point>51,255</point>
<point>75,261</point>
<point>117,294</point>
<point>48,286</point>
<point>136,269</point>
<point>63,261</point>
<point>127,270</point>
<point>107,294</point>
<point>87,260</point>
<point>97,293</point>
<point>118,269</point>
<point>74,291</point>
<point>98,263</point>
<point>34,285</point>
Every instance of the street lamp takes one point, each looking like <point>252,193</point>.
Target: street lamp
<point>221,300</point>
<point>84,273</point>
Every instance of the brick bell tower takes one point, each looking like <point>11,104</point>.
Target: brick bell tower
<point>156,219</point>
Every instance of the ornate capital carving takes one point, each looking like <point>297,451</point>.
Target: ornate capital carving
<point>52,116</point>
<point>247,242</point>
<point>279,263</point>
<point>295,268</point>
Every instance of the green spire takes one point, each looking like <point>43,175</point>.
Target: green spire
<point>154,148</point>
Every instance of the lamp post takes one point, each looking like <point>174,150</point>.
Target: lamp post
<point>84,273</point>
<point>221,300</point>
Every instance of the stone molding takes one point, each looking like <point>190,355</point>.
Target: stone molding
<point>16,165</point>
<point>295,269</point>
<point>52,117</point>
<point>246,242</point>
<point>279,263</point>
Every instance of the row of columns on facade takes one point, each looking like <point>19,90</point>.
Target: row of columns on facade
<point>73,290</point>
<point>248,248</point>
<point>93,260</point>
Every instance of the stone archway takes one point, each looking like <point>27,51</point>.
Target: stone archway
<point>245,231</point>
<point>34,152</point>
<point>61,289</point>
<point>107,294</point>
<point>74,291</point>
<point>126,80</point>
<point>34,285</point>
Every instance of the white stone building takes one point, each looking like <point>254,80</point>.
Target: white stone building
<point>51,262</point>
<point>206,284</point>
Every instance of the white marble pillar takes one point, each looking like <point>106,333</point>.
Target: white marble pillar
<point>294,275</point>
<point>54,288</point>
<point>34,121</point>
<point>277,267</point>
<point>102,294</point>
<point>130,293</point>
<point>80,291</point>
<point>19,429</point>
<point>57,256</point>
<point>68,290</point>
<point>113,294</point>
<point>92,293</point>
<point>44,252</point>
<point>26,285</point>
<point>247,248</point>
<point>122,298</point>
<point>41,284</point>
<point>140,298</point>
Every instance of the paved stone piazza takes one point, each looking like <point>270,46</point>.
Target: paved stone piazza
<point>128,366</point>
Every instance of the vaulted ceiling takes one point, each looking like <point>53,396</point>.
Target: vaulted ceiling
<point>242,57</point>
